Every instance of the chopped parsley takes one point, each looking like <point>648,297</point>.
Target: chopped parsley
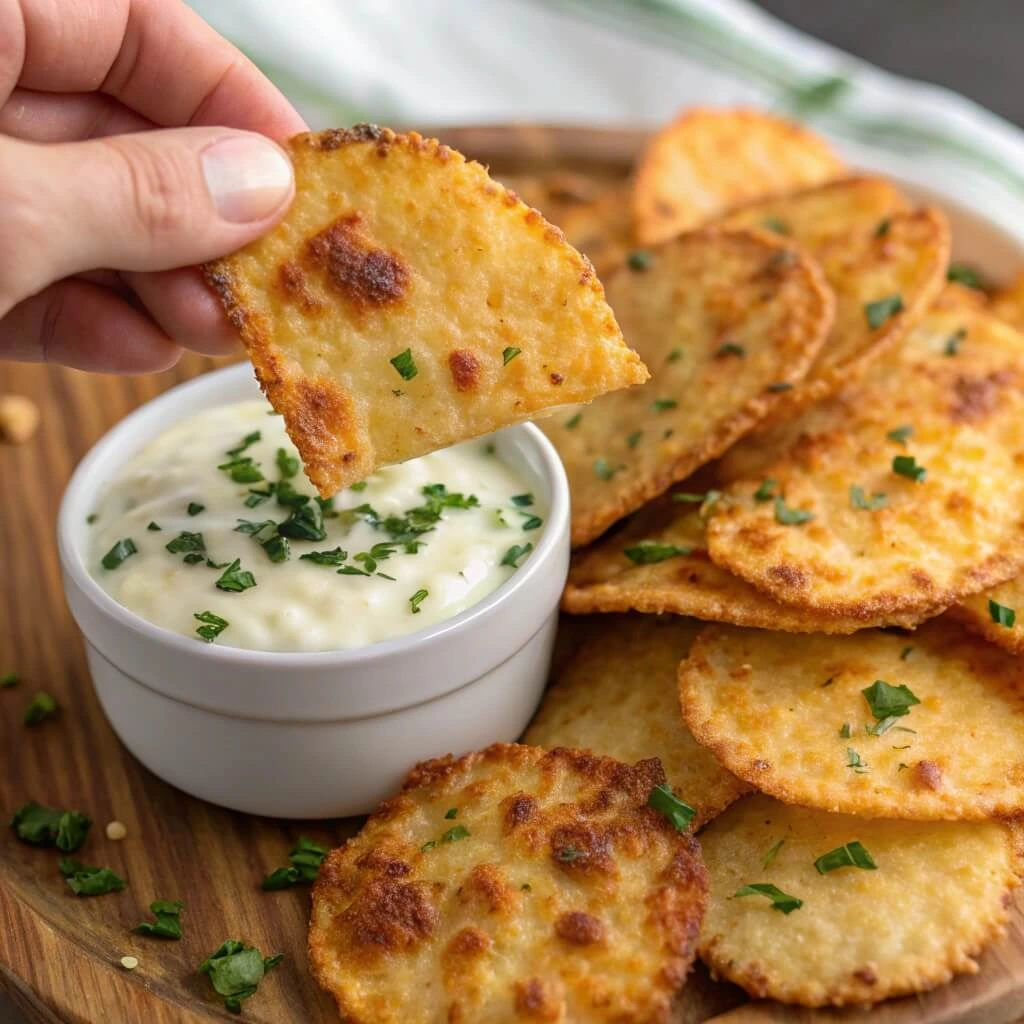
<point>287,495</point>
<point>777,389</point>
<point>235,579</point>
<point>844,732</point>
<point>663,404</point>
<point>303,866</point>
<point>452,813</point>
<point>766,491</point>
<point>648,552</point>
<point>790,516</point>
<point>41,707</point>
<point>858,499</point>
<point>689,498</point>
<point>456,832</point>
<point>242,470</point>
<point>335,557</point>
<point>676,354</point>
<point>509,354</point>
<point>186,542</point>
<point>405,365</point>
<point>235,971</point>
<point>780,227</point>
<point>212,625</point>
<point>123,549</point>
<point>906,465</point>
<point>246,442</point>
<point>856,762</point>
<point>168,920</point>
<point>664,801</point>
<point>515,553</point>
<point>573,421</point>
<point>780,900</point>
<point>1001,615</point>
<point>9,680</point>
<point>531,522</point>
<point>88,880</point>
<point>154,527</point>
<point>306,522</point>
<point>905,653</point>
<point>954,341</point>
<point>900,434</point>
<point>639,259</point>
<point>569,854</point>
<point>769,857</point>
<point>730,349</point>
<point>880,310</point>
<point>194,508</point>
<point>634,439</point>
<point>287,465</point>
<point>417,599</point>
<point>46,826</point>
<point>850,855</point>
<point>522,500</point>
<point>889,701</point>
<point>91,518</point>
<point>963,274</point>
<point>604,470</point>
<point>883,228</point>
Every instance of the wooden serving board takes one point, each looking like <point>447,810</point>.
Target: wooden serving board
<point>59,955</point>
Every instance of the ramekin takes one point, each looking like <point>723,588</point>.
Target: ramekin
<point>322,734</point>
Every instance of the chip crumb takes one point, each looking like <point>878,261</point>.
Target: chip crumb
<point>19,418</point>
<point>129,963</point>
<point>116,830</point>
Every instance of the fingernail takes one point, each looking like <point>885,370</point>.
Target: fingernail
<point>248,177</point>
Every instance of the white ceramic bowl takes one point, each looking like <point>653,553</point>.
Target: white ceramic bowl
<point>324,734</point>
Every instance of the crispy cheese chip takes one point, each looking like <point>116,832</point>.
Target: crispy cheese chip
<point>723,319</point>
<point>407,301</point>
<point>997,614</point>
<point>602,229</point>
<point>903,493</point>
<point>663,566</point>
<point>873,251</point>
<point>938,895</point>
<point>1008,303</point>
<point>926,726</point>
<point>511,884</point>
<point>555,193</point>
<point>619,697</point>
<point>708,161</point>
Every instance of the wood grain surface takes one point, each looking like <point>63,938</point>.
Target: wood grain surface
<point>59,955</point>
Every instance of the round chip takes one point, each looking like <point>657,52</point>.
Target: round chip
<point>619,697</point>
<point>506,884</point>
<point>924,726</point>
<point>723,320</point>
<point>901,494</point>
<point>937,895</point>
<point>707,161</point>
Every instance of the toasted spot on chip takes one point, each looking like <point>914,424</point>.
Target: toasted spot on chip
<point>701,293</point>
<point>797,724</point>
<point>603,578</point>
<point>587,910</point>
<point>619,697</point>
<point>949,522</point>
<point>707,161</point>
<point>937,898</point>
<point>349,280</point>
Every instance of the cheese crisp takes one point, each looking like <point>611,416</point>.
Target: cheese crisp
<point>886,907</point>
<point>708,161</point>
<point>1008,303</point>
<point>724,320</point>
<point>407,301</point>
<point>997,614</point>
<point>601,228</point>
<point>925,726</point>
<point>511,884</point>
<point>901,494</point>
<point>620,697</point>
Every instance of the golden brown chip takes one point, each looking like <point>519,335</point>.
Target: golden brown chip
<point>938,895</point>
<point>723,319</point>
<point>602,229</point>
<point>707,161</point>
<point>870,249</point>
<point>913,479</point>
<point>1008,303</point>
<point>511,884</point>
<point>555,193</point>
<point>407,302</point>
<point>620,697</point>
<point>938,734</point>
<point>996,614</point>
<point>668,570</point>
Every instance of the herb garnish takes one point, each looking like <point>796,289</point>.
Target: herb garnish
<point>900,434</point>
<point>961,273</point>
<point>731,349</point>
<point>405,364</point>
<point>886,700</point>
<point>194,508</point>
<point>880,728</point>
<point>906,465</point>
<point>522,500</point>
<point>88,880</point>
<point>192,543</point>
<point>604,470</point>
<point>880,310</point>
<point>769,857</point>
<point>766,491</point>
<point>780,900</point>
<point>568,854</point>
<point>509,354</point>
<point>417,599</point>
<point>639,259</point>
<point>123,549</point>
<point>287,465</point>
<point>213,625</point>
<point>41,707</point>
<point>954,341</point>
<point>303,866</point>
<point>515,553</point>
<point>234,579</point>
<point>780,227</point>
<point>844,732</point>
<point>790,516</point>
<point>154,527</point>
<point>663,404</point>
<point>883,228</point>
<point>452,813</point>
<point>905,653</point>
<point>335,557</point>
<point>573,421</point>
<point>689,498</point>
<point>777,389</point>
<point>851,855</point>
<point>168,920</point>
<point>1001,615</point>
<point>46,826</point>
<point>648,552</point>
<point>858,499</point>
<point>676,354</point>
<point>664,801</point>
<point>91,518</point>
<point>454,833</point>
<point>246,442</point>
<point>235,970</point>
<point>856,762</point>
<point>242,470</point>
<point>306,522</point>
<point>8,680</point>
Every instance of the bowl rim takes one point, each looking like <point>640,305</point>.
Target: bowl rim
<point>119,436</point>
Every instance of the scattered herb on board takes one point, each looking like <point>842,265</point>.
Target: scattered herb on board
<point>851,855</point>
<point>780,900</point>
<point>46,826</point>
<point>303,866</point>
<point>41,707</point>
<point>664,801</point>
<point>168,920</point>
<point>89,880</point>
<point>9,680</point>
<point>236,970</point>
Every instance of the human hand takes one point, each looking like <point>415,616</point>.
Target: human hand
<point>104,198</point>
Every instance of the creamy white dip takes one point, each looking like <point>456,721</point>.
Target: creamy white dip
<point>419,542</point>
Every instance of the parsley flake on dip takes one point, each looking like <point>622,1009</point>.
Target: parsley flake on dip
<point>212,531</point>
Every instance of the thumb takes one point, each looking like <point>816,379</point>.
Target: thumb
<point>148,201</point>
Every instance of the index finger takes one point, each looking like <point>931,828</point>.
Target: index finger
<point>158,57</point>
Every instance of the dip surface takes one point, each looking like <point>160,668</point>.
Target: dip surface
<point>413,545</point>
